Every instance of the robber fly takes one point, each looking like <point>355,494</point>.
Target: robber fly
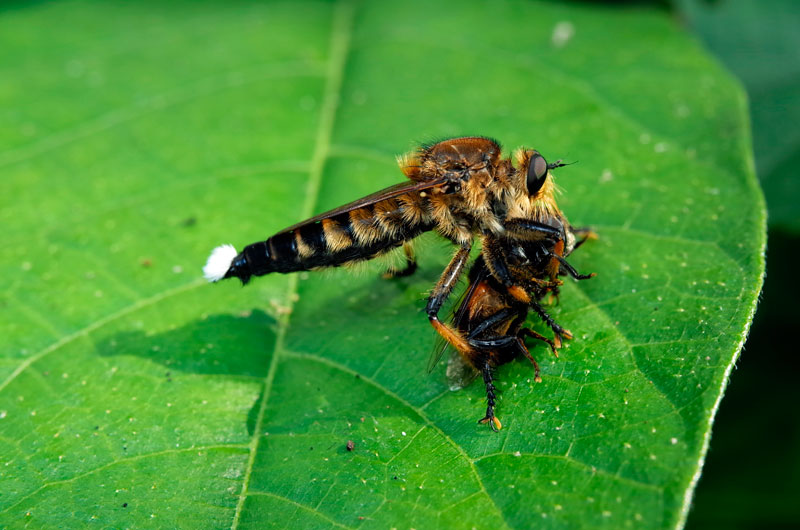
<point>462,188</point>
<point>489,318</point>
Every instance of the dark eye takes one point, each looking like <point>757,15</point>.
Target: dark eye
<point>537,173</point>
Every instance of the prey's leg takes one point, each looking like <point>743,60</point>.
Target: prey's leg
<point>534,335</point>
<point>491,399</point>
<point>571,270</point>
<point>560,333</point>
<point>524,350</point>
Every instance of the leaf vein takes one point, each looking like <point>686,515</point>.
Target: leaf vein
<point>341,29</point>
<point>97,324</point>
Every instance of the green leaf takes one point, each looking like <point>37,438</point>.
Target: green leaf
<point>137,136</point>
<point>758,41</point>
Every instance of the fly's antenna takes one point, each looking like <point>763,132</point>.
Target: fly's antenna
<point>559,163</point>
<point>219,262</point>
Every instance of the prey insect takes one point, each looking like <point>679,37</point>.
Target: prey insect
<point>490,318</point>
<point>461,188</point>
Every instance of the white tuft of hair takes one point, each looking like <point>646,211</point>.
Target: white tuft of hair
<point>219,262</point>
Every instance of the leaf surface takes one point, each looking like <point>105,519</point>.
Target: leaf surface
<point>141,135</point>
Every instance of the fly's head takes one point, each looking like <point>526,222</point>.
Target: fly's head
<point>534,188</point>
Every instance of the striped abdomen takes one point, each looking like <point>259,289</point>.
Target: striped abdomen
<point>338,238</point>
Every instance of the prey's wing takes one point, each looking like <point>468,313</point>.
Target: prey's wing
<point>459,372</point>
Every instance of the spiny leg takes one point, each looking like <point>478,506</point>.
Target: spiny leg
<point>530,230</point>
<point>441,291</point>
<point>534,335</point>
<point>490,418</point>
<point>557,329</point>
<point>524,350</point>
<point>549,284</point>
<point>409,269</point>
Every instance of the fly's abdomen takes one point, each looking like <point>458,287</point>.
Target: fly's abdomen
<point>342,238</point>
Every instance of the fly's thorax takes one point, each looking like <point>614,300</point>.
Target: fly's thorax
<point>457,160</point>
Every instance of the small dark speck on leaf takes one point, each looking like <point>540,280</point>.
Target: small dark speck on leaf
<point>394,477</point>
<point>189,221</point>
<point>358,376</point>
<point>310,448</point>
<point>124,504</point>
<point>350,445</point>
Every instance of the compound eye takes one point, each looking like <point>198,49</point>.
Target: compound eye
<point>537,173</point>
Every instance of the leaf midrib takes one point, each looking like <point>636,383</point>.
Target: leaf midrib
<point>341,33</point>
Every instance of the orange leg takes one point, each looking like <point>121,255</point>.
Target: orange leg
<point>441,291</point>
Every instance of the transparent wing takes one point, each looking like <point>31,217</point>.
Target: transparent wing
<point>459,372</point>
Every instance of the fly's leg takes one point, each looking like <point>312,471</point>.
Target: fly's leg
<point>490,418</point>
<point>441,291</point>
<point>560,333</point>
<point>409,269</point>
<point>533,230</point>
<point>583,234</point>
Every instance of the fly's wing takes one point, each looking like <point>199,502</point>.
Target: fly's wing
<point>388,193</point>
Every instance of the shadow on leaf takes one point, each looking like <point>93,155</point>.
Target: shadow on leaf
<point>220,345</point>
